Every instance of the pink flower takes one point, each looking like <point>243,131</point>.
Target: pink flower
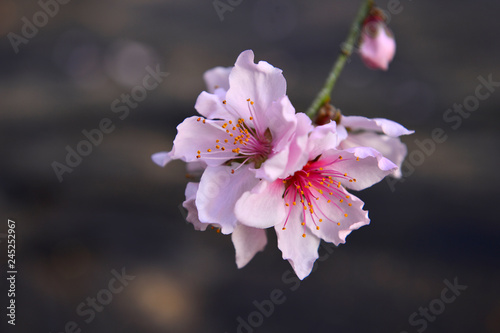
<point>378,133</point>
<point>248,132</point>
<point>313,203</point>
<point>377,46</point>
<point>252,123</point>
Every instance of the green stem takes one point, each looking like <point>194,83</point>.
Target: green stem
<point>347,47</point>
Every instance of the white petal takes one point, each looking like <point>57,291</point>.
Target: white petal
<point>247,242</point>
<point>218,192</point>
<point>263,206</point>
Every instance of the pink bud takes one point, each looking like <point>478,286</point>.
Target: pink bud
<point>377,45</point>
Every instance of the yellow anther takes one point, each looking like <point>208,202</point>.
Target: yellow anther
<point>287,205</point>
<point>251,118</point>
<point>199,152</point>
<point>302,200</point>
<point>345,215</point>
<point>198,119</point>
<point>303,223</point>
<point>311,210</point>
<point>340,157</point>
<point>248,99</point>
<point>209,150</point>
<point>225,140</point>
<point>347,197</point>
<point>230,121</point>
<point>338,185</point>
<point>317,227</point>
<point>354,179</point>
<point>222,148</point>
<point>309,183</point>
<point>331,193</point>
<point>232,171</point>
<point>317,198</point>
<point>305,208</point>
<point>341,200</point>
<point>345,174</point>
<point>321,168</point>
<point>217,147</point>
<point>321,220</point>
<point>329,201</point>
<point>357,158</point>
<point>251,102</point>
<point>338,223</point>
<point>294,203</point>
<point>350,204</point>
<point>284,181</point>
<point>218,231</point>
<point>320,191</point>
<point>203,120</point>
<point>224,102</point>
<point>304,235</point>
<point>283,228</point>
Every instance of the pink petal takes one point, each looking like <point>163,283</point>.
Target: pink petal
<point>366,165</point>
<point>211,106</point>
<point>335,226</point>
<point>247,242</point>
<point>218,192</point>
<point>389,127</point>
<point>190,205</point>
<point>289,148</point>
<point>263,206</point>
<point>323,138</point>
<point>193,135</point>
<point>216,78</point>
<point>162,158</point>
<point>391,148</point>
<point>300,251</point>
<point>261,82</point>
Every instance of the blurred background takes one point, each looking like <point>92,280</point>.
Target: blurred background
<point>116,212</point>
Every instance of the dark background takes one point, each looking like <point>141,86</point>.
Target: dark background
<point>118,210</point>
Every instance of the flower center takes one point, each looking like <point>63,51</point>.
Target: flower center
<point>314,186</point>
<point>244,138</point>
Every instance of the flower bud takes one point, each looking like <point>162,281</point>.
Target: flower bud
<point>377,47</point>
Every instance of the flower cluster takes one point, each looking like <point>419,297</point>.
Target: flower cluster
<point>264,165</point>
